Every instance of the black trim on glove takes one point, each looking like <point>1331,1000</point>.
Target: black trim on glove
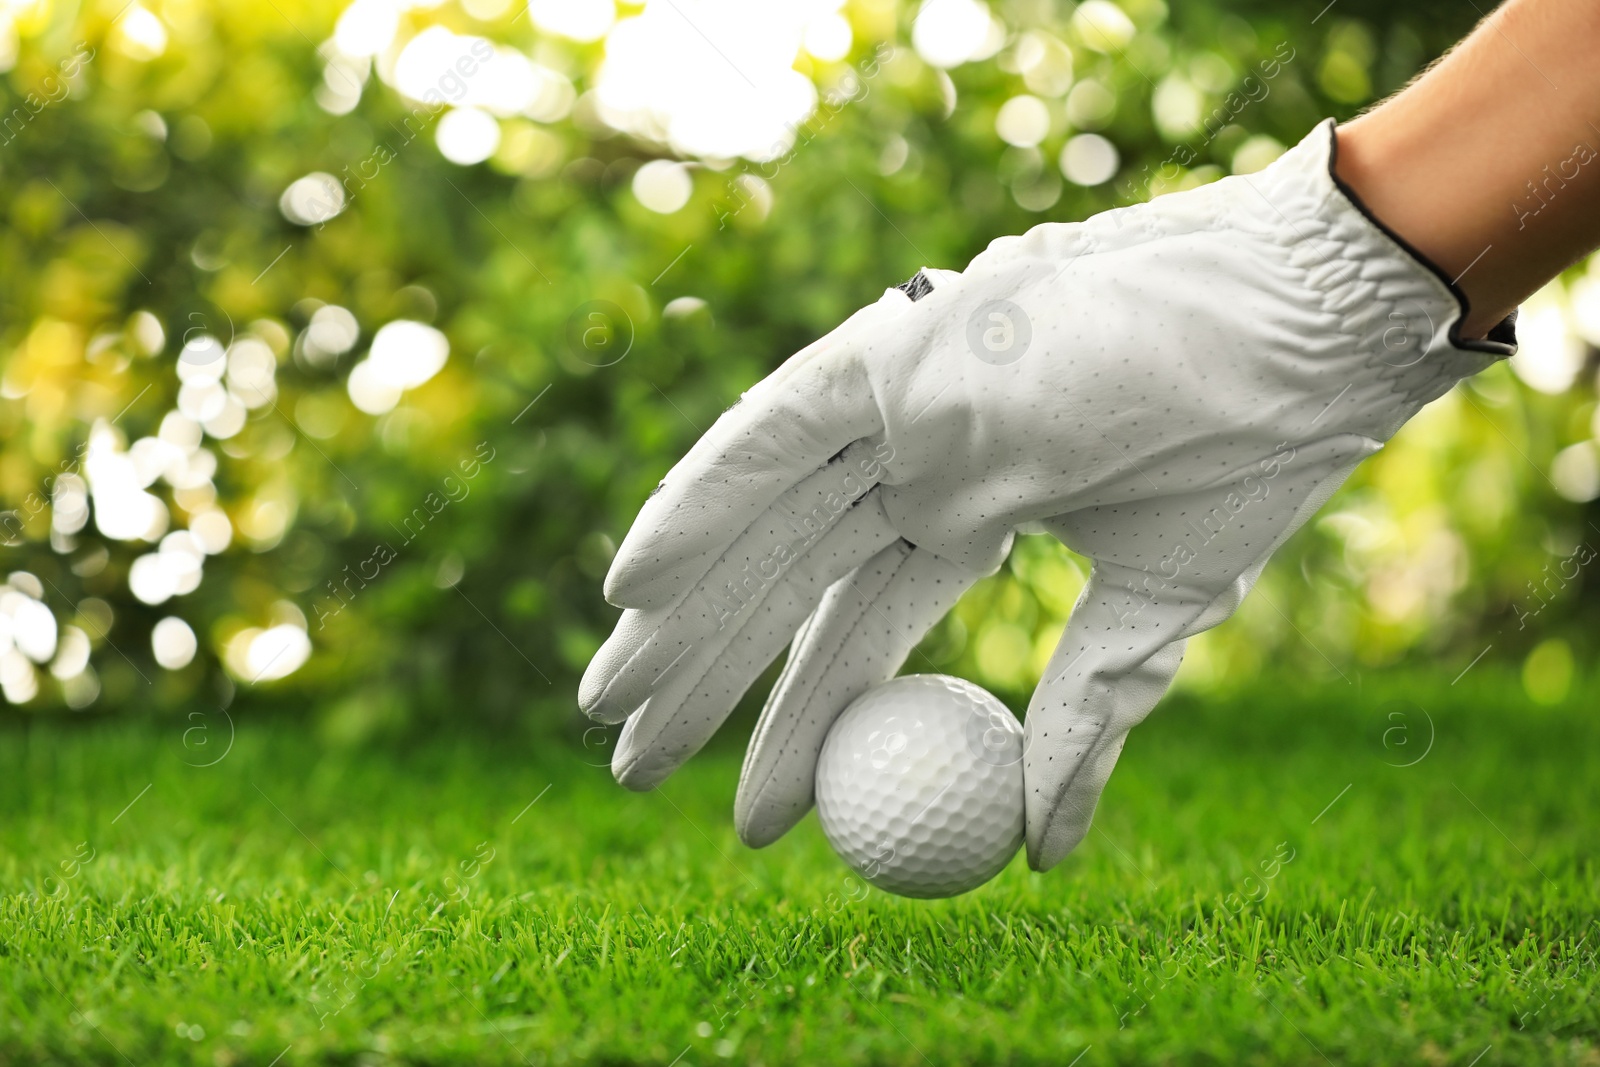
<point>1501,340</point>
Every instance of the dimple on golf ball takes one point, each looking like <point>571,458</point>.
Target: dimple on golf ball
<point>919,786</point>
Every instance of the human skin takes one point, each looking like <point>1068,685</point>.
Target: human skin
<point>1489,163</point>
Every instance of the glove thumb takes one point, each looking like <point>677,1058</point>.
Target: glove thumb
<point>1113,664</point>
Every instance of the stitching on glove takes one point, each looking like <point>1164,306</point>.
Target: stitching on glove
<point>796,519</point>
<point>725,637</point>
<point>827,670</point>
<point>654,752</point>
<point>764,723</point>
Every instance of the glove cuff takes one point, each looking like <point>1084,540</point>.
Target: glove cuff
<point>1501,340</point>
<point>1401,309</point>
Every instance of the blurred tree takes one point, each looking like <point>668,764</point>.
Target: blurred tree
<point>342,344</point>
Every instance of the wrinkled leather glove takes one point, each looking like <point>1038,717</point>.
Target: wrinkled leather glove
<point>1171,389</point>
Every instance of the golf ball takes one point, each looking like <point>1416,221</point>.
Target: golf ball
<point>919,786</point>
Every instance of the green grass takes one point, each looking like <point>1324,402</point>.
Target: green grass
<point>411,907</point>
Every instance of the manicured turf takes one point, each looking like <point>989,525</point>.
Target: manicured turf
<point>412,907</point>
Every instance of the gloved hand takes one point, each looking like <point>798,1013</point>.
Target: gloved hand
<point>1171,389</point>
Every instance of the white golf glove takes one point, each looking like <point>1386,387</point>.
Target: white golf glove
<point>1171,389</point>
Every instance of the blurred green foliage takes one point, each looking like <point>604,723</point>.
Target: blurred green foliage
<point>592,340</point>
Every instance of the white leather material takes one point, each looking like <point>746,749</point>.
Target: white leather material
<point>1164,570</point>
<point>779,432</point>
<point>861,633</point>
<point>691,696</point>
<point>649,641</point>
<point>1175,388</point>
